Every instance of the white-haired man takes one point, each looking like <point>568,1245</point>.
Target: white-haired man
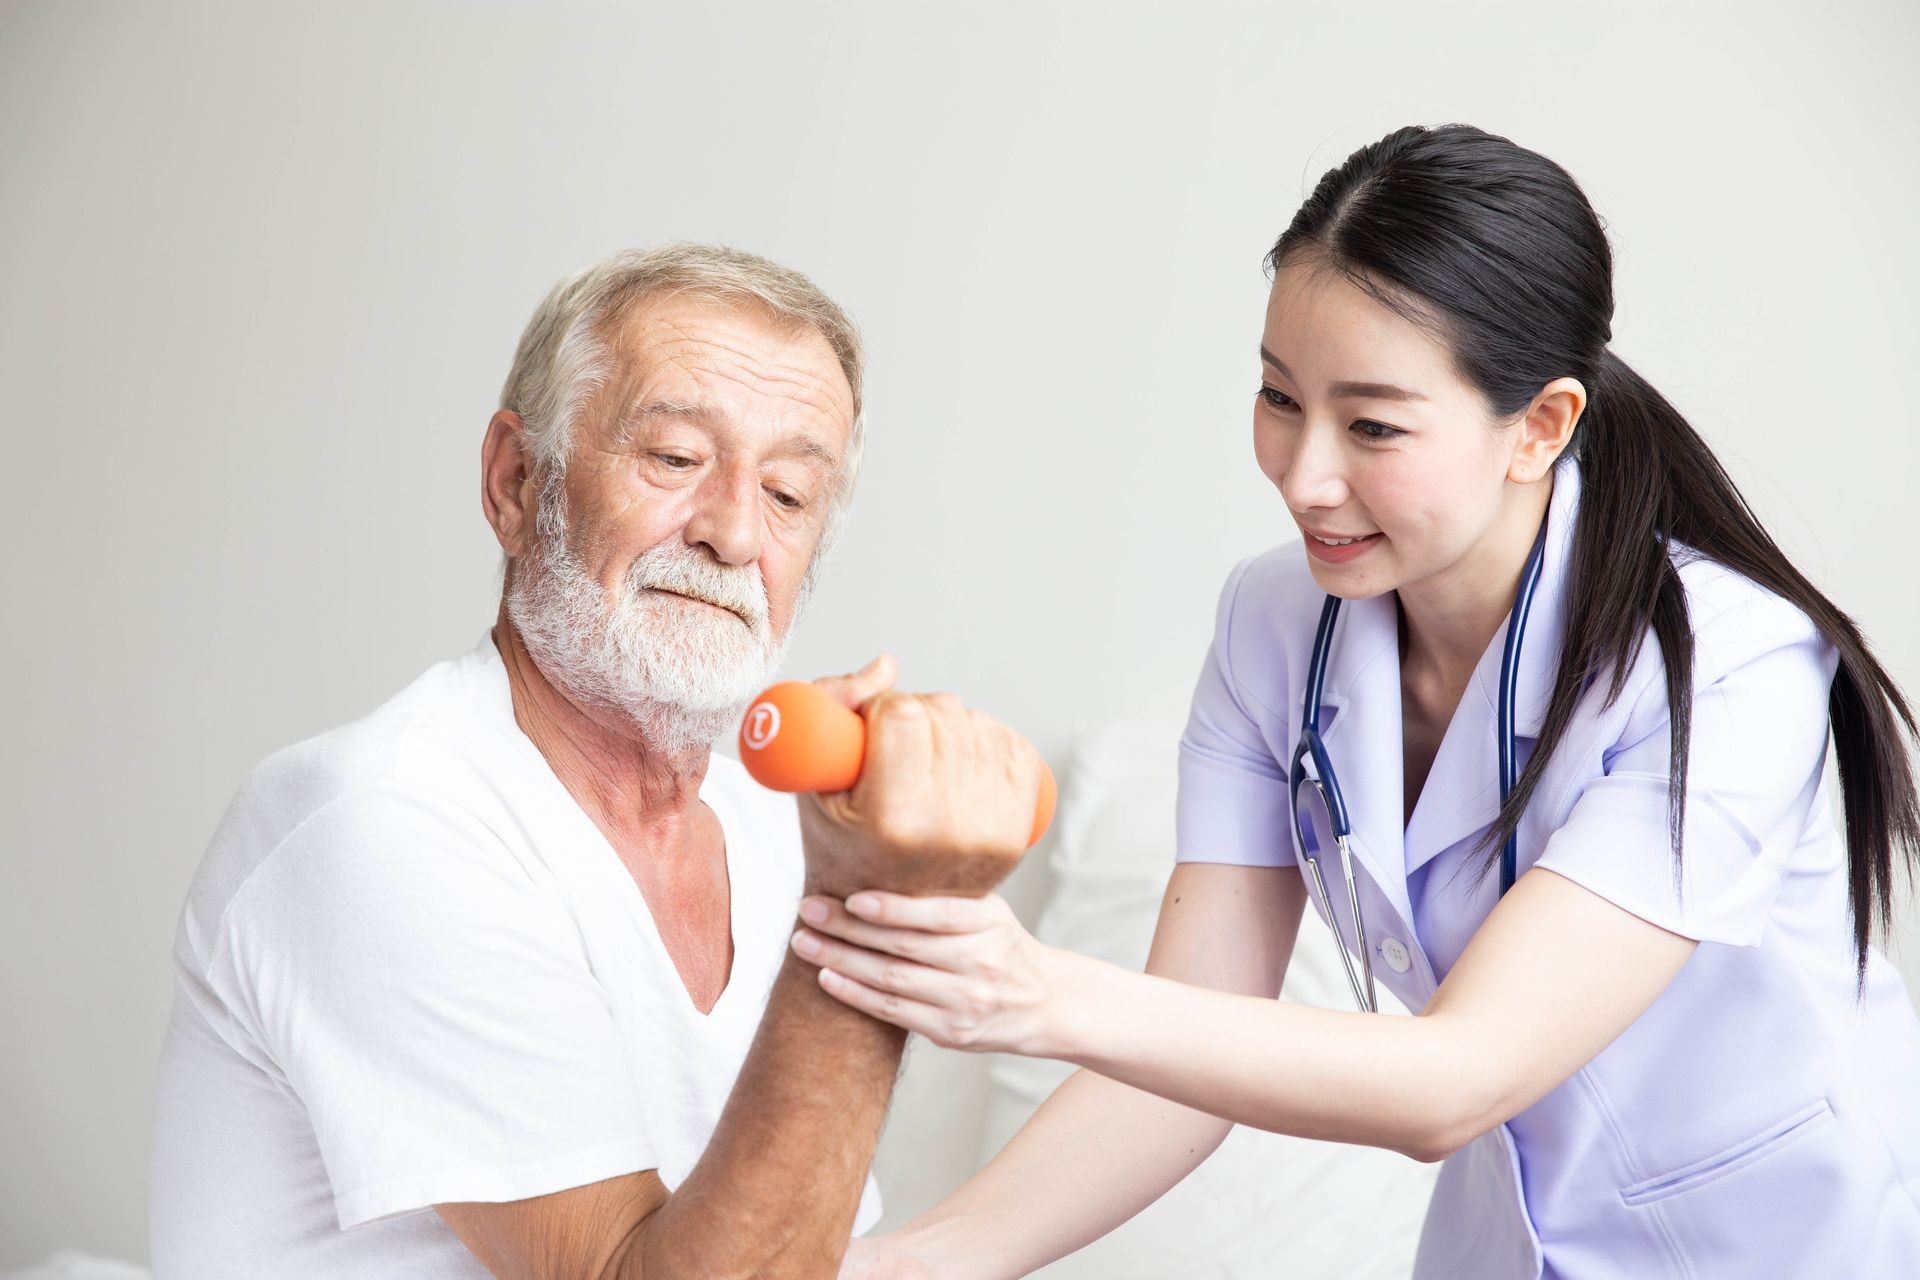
<point>513,948</point>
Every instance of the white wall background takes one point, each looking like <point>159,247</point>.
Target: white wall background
<point>262,269</point>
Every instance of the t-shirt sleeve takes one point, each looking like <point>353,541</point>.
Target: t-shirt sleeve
<point>1755,765</point>
<point>1232,805</point>
<point>427,999</point>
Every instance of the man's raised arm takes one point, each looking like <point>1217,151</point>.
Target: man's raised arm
<point>945,804</point>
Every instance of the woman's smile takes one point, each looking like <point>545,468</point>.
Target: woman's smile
<point>1338,550</point>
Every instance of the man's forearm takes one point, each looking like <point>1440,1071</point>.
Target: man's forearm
<point>776,1191</point>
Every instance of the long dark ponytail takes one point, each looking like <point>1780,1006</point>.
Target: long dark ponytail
<point>1497,251</point>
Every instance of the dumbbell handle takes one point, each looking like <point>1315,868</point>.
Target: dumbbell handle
<point>796,738</point>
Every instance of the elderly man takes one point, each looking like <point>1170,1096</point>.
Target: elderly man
<point>496,979</point>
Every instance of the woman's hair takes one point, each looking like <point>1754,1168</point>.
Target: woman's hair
<point>1495,250</point>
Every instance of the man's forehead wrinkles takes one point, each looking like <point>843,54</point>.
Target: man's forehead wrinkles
<point>815,393</point>
<point>718,388</point>
<point>749,336</point>
<point>723,373</point>
<point>739,363</point>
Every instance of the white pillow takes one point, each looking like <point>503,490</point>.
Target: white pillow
<point>1264,1204</point>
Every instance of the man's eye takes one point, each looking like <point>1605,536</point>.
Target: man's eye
<point>675,461</point>
<point>786,500</point>
<point>1276,398</point>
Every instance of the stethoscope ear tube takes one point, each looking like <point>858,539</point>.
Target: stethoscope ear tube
<point>1363,996</point>
<point>1328,786</point>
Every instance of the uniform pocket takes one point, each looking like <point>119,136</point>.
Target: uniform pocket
<point>1776,1136</point>
<point>1805,1196</point>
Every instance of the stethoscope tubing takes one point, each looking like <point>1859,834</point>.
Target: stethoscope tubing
<point>1509,689</point>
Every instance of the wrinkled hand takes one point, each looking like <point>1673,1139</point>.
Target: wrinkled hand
<point>962,972</point>
<point>944,803</point>
<point>876,1258</point>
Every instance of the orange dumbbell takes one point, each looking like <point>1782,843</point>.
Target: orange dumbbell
<point>796,738</point>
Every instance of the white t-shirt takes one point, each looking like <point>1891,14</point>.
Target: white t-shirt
<point>411,971</point>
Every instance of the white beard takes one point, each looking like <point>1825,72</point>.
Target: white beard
<point>683,672</point>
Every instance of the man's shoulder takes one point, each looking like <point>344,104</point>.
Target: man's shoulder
<point>422,761</point>
<point>433,737</point>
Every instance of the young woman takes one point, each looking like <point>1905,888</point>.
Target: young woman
<point>1537,721</point>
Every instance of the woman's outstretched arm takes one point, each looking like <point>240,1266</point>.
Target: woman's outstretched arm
<point>1097,1151</point>
<point>1549,979</point>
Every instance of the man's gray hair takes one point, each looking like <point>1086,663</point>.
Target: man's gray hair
<point>564,356</point>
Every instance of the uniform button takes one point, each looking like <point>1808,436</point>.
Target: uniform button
<point>1395,953</point>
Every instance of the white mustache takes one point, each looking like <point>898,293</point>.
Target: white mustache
<point>685,571</point>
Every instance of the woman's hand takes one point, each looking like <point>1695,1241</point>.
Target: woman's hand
<point>960,971</point>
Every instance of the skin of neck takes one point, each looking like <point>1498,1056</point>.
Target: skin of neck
<point>633,791</point>
<point>1448,620</point>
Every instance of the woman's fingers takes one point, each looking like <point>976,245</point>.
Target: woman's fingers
<point>933,915</point>
<point>885,1005</point>
<point>877,969</point>
<point>978,990</point>
<point>829,916</point>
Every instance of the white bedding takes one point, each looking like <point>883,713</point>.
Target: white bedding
<point>68,1264</point>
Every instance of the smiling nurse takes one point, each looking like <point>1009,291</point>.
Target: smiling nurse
<point>1669,1048</point>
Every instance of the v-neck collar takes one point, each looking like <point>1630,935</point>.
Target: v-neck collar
<point>1364,735</point>
<point>603,861</point>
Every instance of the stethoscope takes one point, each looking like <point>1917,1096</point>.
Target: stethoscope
<point>1327,786</point>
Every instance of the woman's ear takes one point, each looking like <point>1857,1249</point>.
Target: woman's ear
<point>506,485</point>
<point>1546,428</point>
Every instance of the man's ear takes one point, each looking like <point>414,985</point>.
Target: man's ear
<point>506,483</point>
<point>1546,429</point>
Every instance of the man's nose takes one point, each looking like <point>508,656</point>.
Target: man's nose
<point>1314,476</point>
<point>727,518</point>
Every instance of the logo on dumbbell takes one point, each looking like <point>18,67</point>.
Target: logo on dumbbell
<point>763,724</point>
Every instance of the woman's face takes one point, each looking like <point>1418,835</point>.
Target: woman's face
<point>1369,433</point>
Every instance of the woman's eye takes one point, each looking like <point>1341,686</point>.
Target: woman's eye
<point>1375,431</point>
